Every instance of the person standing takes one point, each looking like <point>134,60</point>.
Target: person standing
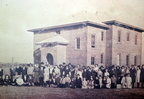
<point>142,76</point>
<point>113,81</point>
<point>41,76</point>
<point>129,81</point>
<point>1,72</point>
<point>12,75</point>
<point>24,73</point>
<point>36,75</point>
<point>19,70</point>
<point>138,76</point>
<point>46,74</point>
<point>133,75</point>
<point>30,70</point>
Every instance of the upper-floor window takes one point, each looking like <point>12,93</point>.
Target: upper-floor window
<point>93,41</point>
<point>128,36</point>
<point>92,60</point>
<point>101,58</point>
<point>119,36</point>
<point>78,43</point>
<point>127,60</point>
<point>135,60</point>
<point>102,35</point>
<point>135,39</point>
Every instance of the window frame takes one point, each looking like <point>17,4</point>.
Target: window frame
<point>128,36</point>
<point>135,39</point>
<point>102,58</point>
<point>119,36</point>
<point>135,60</point>
<point>127,60</point>
<point>78,43</point>
<point>92,60</point>
<point>102,36</point>
<point>93,41</point>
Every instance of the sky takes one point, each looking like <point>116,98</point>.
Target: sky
<point>18,16</point>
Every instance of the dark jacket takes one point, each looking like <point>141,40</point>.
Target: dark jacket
<point>78,82</point>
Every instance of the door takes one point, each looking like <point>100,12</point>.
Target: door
<point>50,58</point>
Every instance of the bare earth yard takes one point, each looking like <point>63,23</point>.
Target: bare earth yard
<point>58,93</point>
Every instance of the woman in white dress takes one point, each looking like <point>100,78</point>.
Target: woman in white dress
<point>129,81</point>
<point>46,74</point>
<point>138,76</point>
<point>108,84</point>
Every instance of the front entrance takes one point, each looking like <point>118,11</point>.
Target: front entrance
<point>50,58</point>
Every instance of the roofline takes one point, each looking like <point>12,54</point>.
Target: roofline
<point>121,24</point>
<point>71,24</point>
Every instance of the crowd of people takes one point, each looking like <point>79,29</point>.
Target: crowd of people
<point>71,76</point>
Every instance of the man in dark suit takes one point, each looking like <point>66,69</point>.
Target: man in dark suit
<point>24,73</point>
<point>78,82</point>
<point>19,70</point>
<point>142,76</point>
<point>133,75</point>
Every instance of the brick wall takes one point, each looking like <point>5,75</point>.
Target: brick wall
<point>125,47</point>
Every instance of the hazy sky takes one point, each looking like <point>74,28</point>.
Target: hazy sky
<point>18,16</point>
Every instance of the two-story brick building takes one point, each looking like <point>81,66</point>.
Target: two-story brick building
<point>87,43</point>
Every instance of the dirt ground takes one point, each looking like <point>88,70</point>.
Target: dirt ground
<point>13,92</point>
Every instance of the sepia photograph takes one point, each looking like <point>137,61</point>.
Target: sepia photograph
<point>71,49</point>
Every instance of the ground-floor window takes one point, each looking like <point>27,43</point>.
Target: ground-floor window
<point>101,58</point>
<point>92,60</point>
<point>127,60</point>
<point>135,60</point>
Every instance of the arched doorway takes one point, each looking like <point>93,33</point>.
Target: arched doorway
<point>49,58</point>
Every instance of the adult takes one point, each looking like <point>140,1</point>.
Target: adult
<point>138,76</point>
<point>36,74</point>
<point>142,76</point>
<point>133,75</point>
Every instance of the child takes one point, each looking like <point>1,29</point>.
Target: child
<point>108,82</point>
<point>100,81</point>
<point>91,83</point>
<point>113,81</point>
<point>84,83</point>
<point>96,83</point>
<point>7,80</point>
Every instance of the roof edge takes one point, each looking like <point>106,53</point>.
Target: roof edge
<point>70,24</point>
<point>125,25</point>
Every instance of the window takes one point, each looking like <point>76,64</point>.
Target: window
<point>135,60</point>
<point>128,36</point>
<point>58,32</point>
<point>77,43</point>
<point>119,36</point>
<point>92,60</point>
<point>127,60</point>
<point>118,59</point>
<point>135,39</point>
<point>93,41</point>
<point>101,58</point>
<point>102,36</point>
